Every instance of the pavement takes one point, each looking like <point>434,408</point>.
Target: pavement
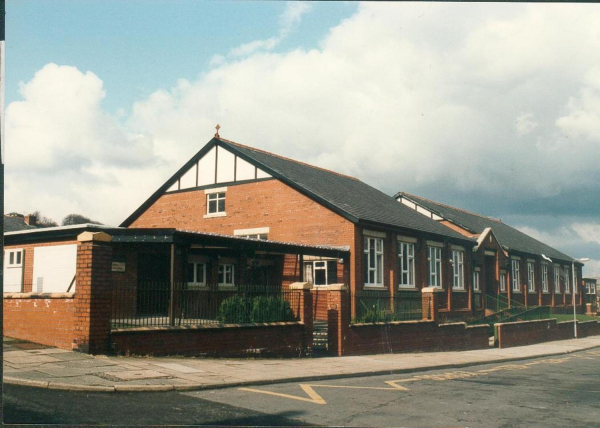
<point>35,365</point>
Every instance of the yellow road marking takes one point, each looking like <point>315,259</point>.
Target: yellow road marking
<point>314,397</point>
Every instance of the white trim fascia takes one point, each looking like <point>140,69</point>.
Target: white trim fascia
<point>255,231</point>
<point>215,190</point>
<point>482,237</point>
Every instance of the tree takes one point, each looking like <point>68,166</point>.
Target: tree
<point>72,219</point>
<point>43,221</point>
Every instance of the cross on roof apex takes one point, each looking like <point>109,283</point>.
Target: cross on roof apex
<point>217,128</point>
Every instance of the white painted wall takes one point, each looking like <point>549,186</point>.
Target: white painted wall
<point>245,170</point>
<point>188,179</point>
<point>206,168</point>
<point>54,268</point>
<point>225,166</point>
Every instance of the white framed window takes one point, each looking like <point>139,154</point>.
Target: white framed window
<point>215,203</point>
<point>567,281</point>
<point>458,270</point>
<point>320,272</point>
<point>256,233</point>
<point>434,263</point>
<point>531,277</point>
<point>406,264</point>
<point>515,275</point>
<point>373,261</point>
<point>476,285</point>
<point>226,274</point>
<point>503,281</point>
<point>14,258</point>
<point>196,273</point>
<point>544,278</point>
<point>556,278</point>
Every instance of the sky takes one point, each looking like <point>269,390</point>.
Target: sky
<point>494,108</point>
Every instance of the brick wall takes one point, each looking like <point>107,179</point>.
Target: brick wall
<point>291,216</point>
<point>411,336</point>
<point>523,333</point>
<point>40,318</point>
<point>277,339</point>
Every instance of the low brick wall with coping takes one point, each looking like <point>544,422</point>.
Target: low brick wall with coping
<point>522,333</point>
<point>426,335</point>
<point>283,339</point>
<point>46,318</point>
<point>413,336</point>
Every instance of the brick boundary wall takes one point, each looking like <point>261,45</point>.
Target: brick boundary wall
<point>523,333</point>
<point>243,340</point>
<point>413,336</point>
<point>398,336</point>
<point>47,318</point>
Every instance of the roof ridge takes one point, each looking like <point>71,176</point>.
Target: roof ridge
<point>287,159</point>
<point>454,208</point>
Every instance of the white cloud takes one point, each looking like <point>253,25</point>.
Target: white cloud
<point>289,19</point>
<point>525,124</point>
<point>583,119</point>
<point>64,153</point>
<point>403,95</point>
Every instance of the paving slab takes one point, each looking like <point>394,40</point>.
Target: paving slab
<point>31,359</point>
<point>178,367</point>
<point>128,375</point>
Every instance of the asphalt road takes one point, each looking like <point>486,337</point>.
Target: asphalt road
<point>550,392</point>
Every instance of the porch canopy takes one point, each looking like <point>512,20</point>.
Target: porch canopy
<point>207,240</point>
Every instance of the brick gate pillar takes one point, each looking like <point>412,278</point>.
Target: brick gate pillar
<point>93,293</point>
<point>338,317</point>
<point>306,312</point>
<point>430,303</point>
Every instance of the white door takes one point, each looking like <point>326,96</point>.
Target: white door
<point>13,270</point>
<point>54,268</point>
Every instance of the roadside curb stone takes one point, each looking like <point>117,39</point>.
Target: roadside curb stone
<point>50,384</point>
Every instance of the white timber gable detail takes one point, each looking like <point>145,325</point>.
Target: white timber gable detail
<point>217,166</point>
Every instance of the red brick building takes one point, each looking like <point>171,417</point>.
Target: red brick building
<point>395,251</point>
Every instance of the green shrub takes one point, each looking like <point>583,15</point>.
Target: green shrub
<point>233,310</point>
<point>236,309</point>
<point>270,309</point>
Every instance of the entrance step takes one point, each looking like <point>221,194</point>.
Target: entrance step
<point>320,336</point>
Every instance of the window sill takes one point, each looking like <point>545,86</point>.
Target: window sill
<point>211,215</point>
<point>459,290</point>
<point>375,287</point>
<point>477,291</point>
<point>517,292</point>
<point>402,288</point>
<point>227,287</point>
<point>531,292</point>
<point>545,292</point>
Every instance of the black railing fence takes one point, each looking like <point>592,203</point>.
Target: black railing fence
<point>157,304</point>
<point>372,306</point>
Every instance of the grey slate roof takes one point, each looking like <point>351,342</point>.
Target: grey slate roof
<point>12,224</point>
<point>345,195</point>
<point>507,236</point>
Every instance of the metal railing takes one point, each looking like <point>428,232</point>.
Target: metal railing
<point>372,306</point>
<point>157,305</point>
<point>500,302</point>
